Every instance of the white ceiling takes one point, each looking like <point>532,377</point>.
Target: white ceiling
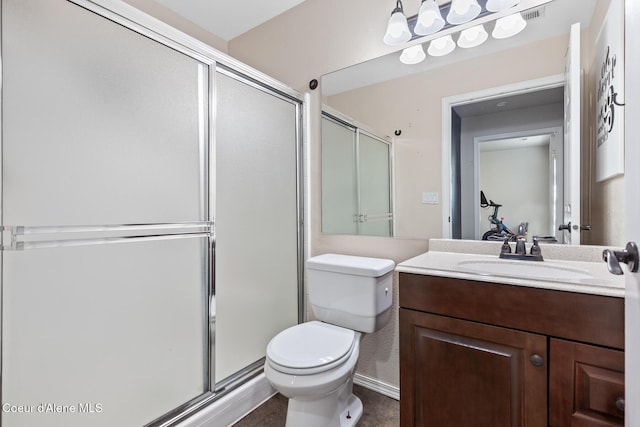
<point>228,19</point>
<point>511,102</point>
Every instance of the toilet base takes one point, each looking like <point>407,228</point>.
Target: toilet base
<point>343,410</point>
<point>351,415</point>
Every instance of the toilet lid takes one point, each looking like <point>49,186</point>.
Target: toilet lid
<point>310,345</point>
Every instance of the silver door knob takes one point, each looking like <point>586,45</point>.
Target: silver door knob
<point>628,256</point>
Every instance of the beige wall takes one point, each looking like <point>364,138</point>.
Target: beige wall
<point>317,37</point>
<point>603,206</point>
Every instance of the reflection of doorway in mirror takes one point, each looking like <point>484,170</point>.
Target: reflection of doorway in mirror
<point>527,194</point>
<point>523,109</point>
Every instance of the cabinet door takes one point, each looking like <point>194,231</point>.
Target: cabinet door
<point>461,373</point>
<point>586,385</point>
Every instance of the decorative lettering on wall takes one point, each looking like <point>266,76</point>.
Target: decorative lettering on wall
<point>608,111</point>
<point>607,98</point>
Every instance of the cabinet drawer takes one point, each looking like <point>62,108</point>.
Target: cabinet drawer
<point>588,318</point>
<point>587,385</point>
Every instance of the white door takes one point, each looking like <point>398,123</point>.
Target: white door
<point>632,201</point>
<point>572,124</point>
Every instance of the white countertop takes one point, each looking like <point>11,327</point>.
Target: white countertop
<point>556,274</point>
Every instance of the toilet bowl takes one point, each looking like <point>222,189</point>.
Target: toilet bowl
<point>313,363</point>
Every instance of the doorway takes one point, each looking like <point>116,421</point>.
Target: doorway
<point>519,110</point>
<point>531,196</point>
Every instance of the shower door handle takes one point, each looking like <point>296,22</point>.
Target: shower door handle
<point>212,312</point>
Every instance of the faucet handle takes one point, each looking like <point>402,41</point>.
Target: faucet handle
<point>505,249</point>
<point>535,249</point>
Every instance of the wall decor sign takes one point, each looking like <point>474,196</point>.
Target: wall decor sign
<point>609,102</point>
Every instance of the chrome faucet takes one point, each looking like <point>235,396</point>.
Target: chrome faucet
<point>521,250</point>
<point>523,228</point>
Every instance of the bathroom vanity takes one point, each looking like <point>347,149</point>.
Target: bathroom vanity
<point>482,348</point>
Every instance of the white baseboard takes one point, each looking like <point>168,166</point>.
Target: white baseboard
<point>229,409</point>
<point>377,386</point>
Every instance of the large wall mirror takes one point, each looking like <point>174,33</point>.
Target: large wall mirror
<point>508,144</point>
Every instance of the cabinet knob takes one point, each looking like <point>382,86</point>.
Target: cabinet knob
<point>620,403</point>
<point>537,360</point>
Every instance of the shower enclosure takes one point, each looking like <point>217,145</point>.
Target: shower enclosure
<point>356,178</point>
<point>151,217</point>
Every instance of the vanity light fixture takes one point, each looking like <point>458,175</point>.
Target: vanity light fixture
<point>509,26</point>
<point>430,19</point>
<point>462,11</point>
<point>498,5</point>
<point>397,28</point>
<point>413,55</point>
<point>472,37</point>
<point>441,46</point>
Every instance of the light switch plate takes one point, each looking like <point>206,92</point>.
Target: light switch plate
<point>430,198</point>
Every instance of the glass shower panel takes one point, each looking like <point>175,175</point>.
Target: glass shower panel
<point>105,260</point>
<point>256,221</point>
<point>375,185</point>
<point>97,117</point>
<point>339,181</point>
<point>111,335</point>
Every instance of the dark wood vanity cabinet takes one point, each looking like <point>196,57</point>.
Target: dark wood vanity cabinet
<point>484,354</point>
<point>586,385</point>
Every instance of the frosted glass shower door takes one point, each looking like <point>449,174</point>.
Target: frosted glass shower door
<point>106,230</point>
<point>356,180</point>
<point>375,185</point>
<point>256,220</point>
<point>103,335</point>
<point>339,178</point>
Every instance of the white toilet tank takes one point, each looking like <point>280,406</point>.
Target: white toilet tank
<point>351,291</point>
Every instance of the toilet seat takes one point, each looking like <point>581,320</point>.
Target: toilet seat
<point>310,348</point>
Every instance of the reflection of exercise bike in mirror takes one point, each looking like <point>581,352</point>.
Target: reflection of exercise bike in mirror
<point>499,231</point>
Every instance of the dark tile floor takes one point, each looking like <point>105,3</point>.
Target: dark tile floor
<point>379,411</point>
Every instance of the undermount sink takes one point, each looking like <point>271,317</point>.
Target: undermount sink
<point>524,270</point>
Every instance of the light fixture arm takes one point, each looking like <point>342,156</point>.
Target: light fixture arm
<point>398,8</point>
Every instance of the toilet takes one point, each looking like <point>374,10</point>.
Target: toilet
<point>313,363</point>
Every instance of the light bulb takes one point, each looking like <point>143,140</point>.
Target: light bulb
<point>461,7</point>
<point>429,19</point>
<point>498,5</point>
<point>397,29</point>
<point>395,26</point>
<point>509,26</point>
<point>462,11</point>
<point>472,37</point>
<point>413,55</point>
<point>441,46</point>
